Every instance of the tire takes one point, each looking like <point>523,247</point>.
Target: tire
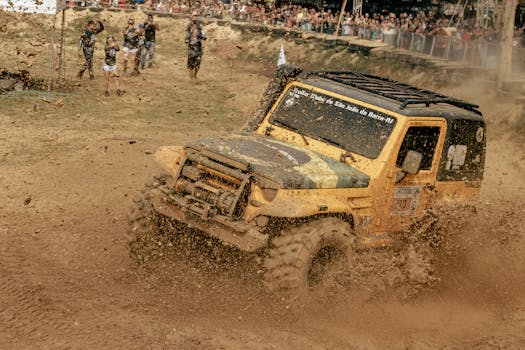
<point>146,228</point>
<point>301,258</point>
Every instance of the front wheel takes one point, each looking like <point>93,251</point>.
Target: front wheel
<point>147,230</point>
<point>309,257</point>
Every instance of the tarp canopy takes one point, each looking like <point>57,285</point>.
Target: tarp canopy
<point>50,7</point>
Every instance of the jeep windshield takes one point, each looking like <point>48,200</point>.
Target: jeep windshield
<point>355,128</point>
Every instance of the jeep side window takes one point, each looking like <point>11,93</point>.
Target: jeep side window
<point>422,139</point>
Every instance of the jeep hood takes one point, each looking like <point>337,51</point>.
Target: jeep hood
<point>289,165</point>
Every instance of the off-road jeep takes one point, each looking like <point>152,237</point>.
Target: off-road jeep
<point>333,163</point>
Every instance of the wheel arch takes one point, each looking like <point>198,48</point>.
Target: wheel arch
<point>278,224</point>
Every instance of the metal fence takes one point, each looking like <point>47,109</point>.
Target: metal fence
<point>451,48</point>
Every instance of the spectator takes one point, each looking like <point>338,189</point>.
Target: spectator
<point>440,40</point>
<point>456,44</point>
<point>131,45</point>
<point>86,46</point>
<point>110,65</point>
<point>193,38</point>
<point>492,39</point>
<point>148,51</point>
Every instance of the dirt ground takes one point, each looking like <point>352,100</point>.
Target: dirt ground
<point>70,164</point>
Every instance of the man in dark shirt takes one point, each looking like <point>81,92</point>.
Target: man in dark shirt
<point>86,46</point>
<point>148,50</point>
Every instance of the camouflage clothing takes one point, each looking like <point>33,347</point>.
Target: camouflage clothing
<point>131,38</point>
<point>87,46</point>
<point>194,48</point>
<point>111,54</point>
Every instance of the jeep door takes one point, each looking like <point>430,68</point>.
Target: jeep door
<point>411,194</point>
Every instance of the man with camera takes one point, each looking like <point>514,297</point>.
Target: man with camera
<point>148,50</point>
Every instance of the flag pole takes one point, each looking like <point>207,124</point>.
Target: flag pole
<point>61,50</point>
<point>51,54</point>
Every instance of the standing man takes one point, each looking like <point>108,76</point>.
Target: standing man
<point>86,46</point>
<point>193,38</point>
<point>131,45</point>
<point>148,50</point>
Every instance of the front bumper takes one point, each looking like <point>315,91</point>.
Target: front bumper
<point>240,234</point>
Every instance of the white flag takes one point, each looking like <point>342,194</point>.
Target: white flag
<point>282,58</point>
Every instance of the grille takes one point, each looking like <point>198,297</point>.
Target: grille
<point>212,184</point>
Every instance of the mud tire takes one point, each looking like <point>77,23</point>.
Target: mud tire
<point>289,261</point>
<point>146,228</point>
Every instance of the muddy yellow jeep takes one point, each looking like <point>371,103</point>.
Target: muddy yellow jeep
<point>333,163</point>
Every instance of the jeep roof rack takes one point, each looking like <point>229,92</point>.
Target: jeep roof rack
<point>395,90</point>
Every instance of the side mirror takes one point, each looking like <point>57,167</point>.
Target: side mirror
<point>412,162</point>
<point>411,165</point>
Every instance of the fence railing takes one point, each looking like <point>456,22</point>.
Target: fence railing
<point>476,52</point>
<point>451,48</point>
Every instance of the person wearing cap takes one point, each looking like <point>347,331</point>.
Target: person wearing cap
<point>193,38</point>
<point>110,64</point>
<point>148,50</point>
<point>131,45</point>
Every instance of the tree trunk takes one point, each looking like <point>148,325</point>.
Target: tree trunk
<point>341,14</point>
<point>505,59</point>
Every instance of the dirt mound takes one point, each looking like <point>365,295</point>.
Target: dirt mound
<point>222,32</point>
<point>21,24</point>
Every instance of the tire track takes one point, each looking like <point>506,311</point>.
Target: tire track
<point>26,312</point>
<point>23,311</point>
<point>30,316</point>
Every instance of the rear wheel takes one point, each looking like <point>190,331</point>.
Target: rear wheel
<point>312,257</point>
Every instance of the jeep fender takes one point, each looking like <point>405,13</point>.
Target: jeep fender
<point>166,157</point>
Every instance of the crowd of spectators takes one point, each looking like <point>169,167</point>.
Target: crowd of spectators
<point>452,38</point>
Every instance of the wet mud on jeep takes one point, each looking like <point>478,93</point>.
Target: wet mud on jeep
<point>333,167</point>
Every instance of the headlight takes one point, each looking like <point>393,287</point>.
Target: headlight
<point>269,194</point>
